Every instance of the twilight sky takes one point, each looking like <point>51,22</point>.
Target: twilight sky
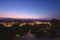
<point>46,9</point>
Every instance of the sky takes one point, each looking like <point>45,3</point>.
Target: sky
<point>46,9</point>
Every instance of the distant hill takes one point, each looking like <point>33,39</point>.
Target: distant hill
<point>9,19</point>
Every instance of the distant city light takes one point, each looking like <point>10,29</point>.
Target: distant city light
<point>17,35</point>
<point>44,30</point>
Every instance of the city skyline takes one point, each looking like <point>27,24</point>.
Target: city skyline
<point>36,9</point>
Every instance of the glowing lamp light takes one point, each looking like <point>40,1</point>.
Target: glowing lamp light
<point>44,30</point>
<point>17,35</point>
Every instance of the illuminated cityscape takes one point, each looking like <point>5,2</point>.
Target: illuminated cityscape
<point>35,26</point>
<point>29,20</point>
<point>10,24</point>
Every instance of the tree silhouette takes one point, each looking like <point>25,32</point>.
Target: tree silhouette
<point>55,23</point>
<point>55,26</point>
<point>16,28</point>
